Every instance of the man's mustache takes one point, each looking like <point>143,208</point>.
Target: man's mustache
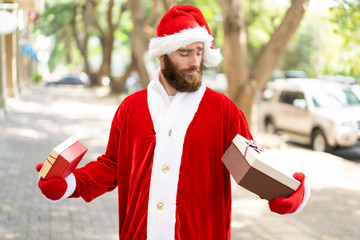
<point>191,69</point>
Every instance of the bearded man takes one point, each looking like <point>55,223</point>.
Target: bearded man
<point>166,143</point>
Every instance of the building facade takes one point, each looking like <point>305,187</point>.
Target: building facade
<point>17,57</point>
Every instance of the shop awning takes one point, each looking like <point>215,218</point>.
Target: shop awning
<point>28,49</point>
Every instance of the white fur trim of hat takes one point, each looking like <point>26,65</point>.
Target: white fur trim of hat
<point>181,26</point>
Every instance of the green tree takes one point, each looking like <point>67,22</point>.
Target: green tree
<point>56,22</point>
<point>246,79</point>
<point>307,50</point>
<point>252,41</point>
<point>74,23</point>
<point>346,16</point>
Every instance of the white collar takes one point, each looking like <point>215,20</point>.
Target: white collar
<point>162,108</point>
<point>171,120</point>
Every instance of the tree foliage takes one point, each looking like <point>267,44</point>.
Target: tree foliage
<point>307,50</point>
<point>346,16</point>
<point>246,78</point>
<point>252,37</point>
<point>56,22</point>
<point>75,24</point>
<point>261,20</point>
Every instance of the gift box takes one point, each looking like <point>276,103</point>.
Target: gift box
<point>257,171</point>
<point>63,159</point>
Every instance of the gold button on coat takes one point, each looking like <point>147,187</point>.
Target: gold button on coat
<point>165,169</point>
<point>160,206</point>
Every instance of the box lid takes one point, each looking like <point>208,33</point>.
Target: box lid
<point>63,146</point>
<point>264,162</point>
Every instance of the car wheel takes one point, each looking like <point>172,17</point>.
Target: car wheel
<point>319,142</point>
<point>270,126</point>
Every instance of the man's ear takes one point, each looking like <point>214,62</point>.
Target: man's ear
<point>161,59</point>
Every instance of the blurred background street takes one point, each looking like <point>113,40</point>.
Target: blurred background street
<point>292,66</point>
<point>44,116</point>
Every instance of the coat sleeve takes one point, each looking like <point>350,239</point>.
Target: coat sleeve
<point>239,124</point>
<point>100,176</point>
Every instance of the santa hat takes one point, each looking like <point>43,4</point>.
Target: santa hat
<point>181,26</point>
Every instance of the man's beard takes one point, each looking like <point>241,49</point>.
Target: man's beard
<point>180,79</point>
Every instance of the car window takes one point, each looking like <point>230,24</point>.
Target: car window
<point>288,97</point>
<point>334,98</point>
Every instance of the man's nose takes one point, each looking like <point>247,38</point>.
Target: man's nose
<point>195,60</point>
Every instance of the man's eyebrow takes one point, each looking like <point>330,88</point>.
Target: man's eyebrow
<point>190,50</point>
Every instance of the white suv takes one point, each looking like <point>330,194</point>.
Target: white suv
<point>323,114</point>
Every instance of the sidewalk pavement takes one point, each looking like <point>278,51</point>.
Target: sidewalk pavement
<point>43,117</point>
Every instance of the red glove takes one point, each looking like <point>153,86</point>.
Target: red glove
<point>56,188</point>
<point>295,202</point>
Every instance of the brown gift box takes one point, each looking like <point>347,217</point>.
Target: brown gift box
<point>257,171</point>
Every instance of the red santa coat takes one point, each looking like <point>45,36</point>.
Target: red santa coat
<point>144,150</point>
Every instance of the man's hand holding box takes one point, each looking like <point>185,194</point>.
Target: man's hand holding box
<point>57,180</point>
<point>256,170</point>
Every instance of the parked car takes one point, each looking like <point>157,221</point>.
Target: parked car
<point>322,114</point>
<point>295,74</point>
<point>71,79</point>
<point>356,89</point>
<point>215,81</point>
<point>340,79</point>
